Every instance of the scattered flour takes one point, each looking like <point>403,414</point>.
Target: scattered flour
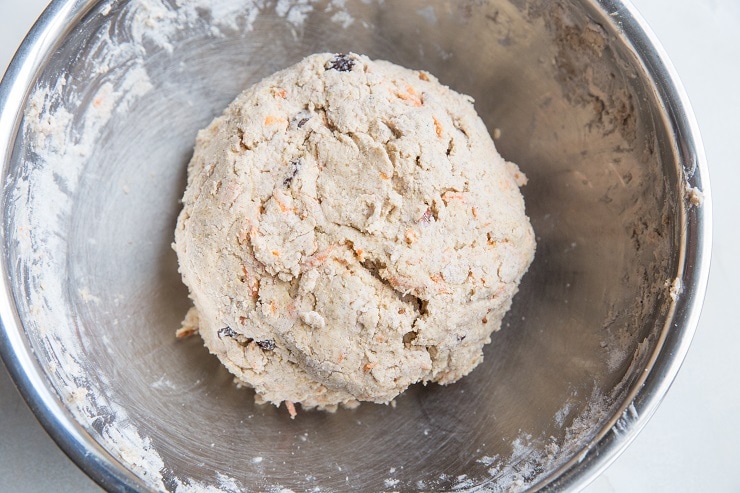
<point>61,127</point>
<point>391,483</point>
<point>675,288</point>
<point>696,196</point>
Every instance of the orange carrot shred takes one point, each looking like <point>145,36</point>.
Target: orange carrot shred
<point>437,127</point>
<point>410,96</point>
<point>291,409</point>
<point>273,120</point>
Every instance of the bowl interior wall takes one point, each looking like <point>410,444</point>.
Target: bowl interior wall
<point>571,112</point>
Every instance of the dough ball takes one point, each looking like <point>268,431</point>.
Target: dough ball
<point>348,230</point>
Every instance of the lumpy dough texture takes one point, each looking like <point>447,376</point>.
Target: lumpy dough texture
<point>349,229</point>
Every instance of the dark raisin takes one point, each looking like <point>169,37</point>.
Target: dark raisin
<point>302,122</point>
<point>341,63</point>
<point>267,345</point>
<point>226,332</point>
<point>427,217</point>
<point>461,338</point>
<point>295,165</point>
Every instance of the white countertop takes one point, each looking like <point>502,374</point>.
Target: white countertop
<point>693,441</point>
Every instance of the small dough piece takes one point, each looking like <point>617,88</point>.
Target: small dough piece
<point>348,230</point>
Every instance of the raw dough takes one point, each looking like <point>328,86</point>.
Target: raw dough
<point>348,230</point>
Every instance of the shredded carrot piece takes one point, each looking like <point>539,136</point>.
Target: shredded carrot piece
<point>384,176</point>
<point>184,332</point>
<point>360,253</point>
<point>498,293</point>
<point>279,92</point>
<point>368,366</point>
<point>505,184</point>
<point>291,409</point>
<point>318,258</point>
<point>437,127</point>
<point>292,310</point>
<point>251,282</point>
<point>282,205</point>
<point>410,96</point>
<point>321,258</point>
<point>402,284</point>
<point>426,218</point>
<point>449,196</point>
<point>424,76</point>
<point>273,120</point>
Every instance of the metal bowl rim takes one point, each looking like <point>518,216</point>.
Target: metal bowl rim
<point>62,15</point>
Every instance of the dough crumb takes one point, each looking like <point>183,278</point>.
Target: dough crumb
<point>189,325</point>
<point>313,319</point>
<point>696,196</point>
<point>349,229</point>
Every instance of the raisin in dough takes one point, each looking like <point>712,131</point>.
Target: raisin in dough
<point>348,230</point>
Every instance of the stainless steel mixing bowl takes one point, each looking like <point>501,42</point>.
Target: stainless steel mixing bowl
<point>99,112</point>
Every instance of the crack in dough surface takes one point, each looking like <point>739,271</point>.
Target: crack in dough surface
<point>348,230</point>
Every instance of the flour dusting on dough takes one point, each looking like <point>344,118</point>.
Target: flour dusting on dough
<point>349,230</point>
